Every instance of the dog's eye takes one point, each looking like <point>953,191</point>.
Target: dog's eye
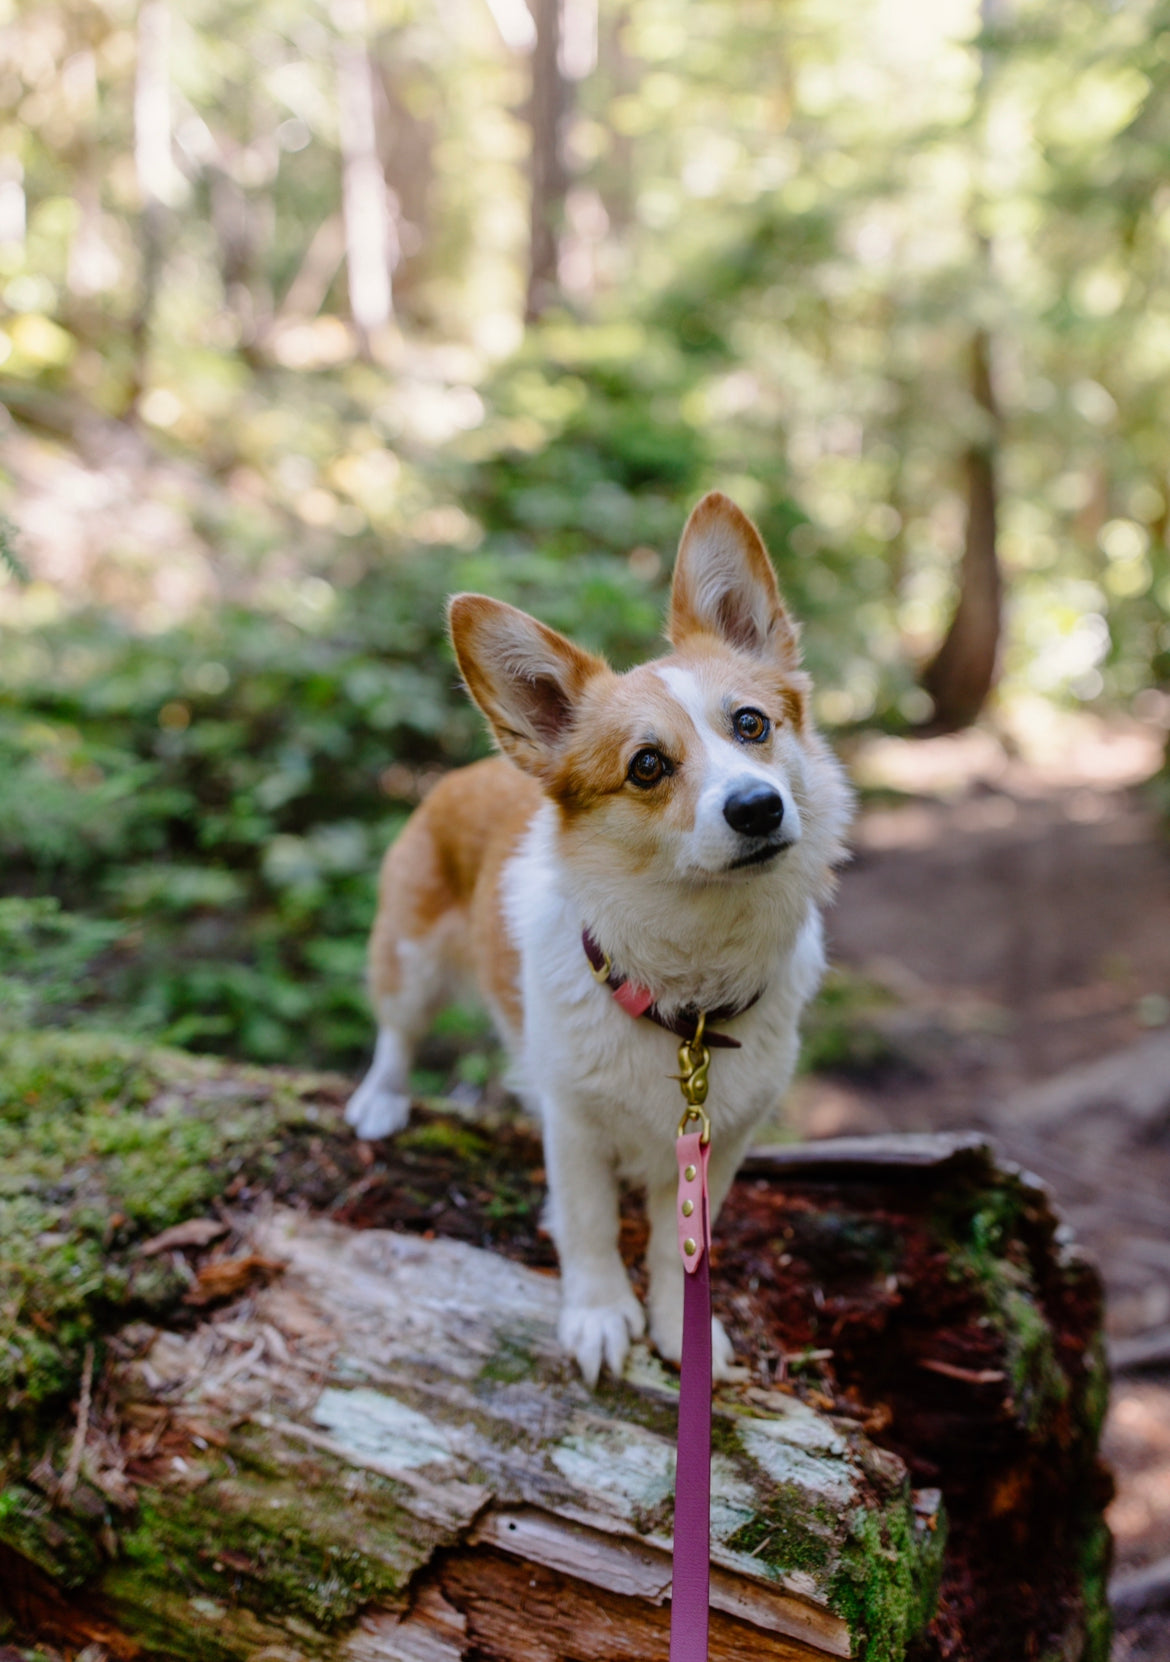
<point>752,725</point>
<point>648,767</point>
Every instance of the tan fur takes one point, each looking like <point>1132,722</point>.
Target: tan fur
<point>446,865</point>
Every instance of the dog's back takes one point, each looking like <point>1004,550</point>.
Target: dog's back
<point>439,925</point>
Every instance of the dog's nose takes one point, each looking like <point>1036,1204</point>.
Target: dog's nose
<point>754,810</point>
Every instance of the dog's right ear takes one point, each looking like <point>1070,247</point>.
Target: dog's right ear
<point>525,678</point>
<point>724,585</point>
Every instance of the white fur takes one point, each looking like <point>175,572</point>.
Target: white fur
<point>381,1104</point>
<point>602,1082</point>
<point>712,845</point>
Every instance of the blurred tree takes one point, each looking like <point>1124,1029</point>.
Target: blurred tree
<point>155,173</point>
<point>962,673</point>
<point>371,240</point>
<point>548,110</point>
<point>915,317</point>
<point>960,676</point>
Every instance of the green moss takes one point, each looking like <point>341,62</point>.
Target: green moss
<point>102,1144</point>
<point>992,1257</point>
<point>1095,1560</point>
<point>1039,1383</point>
<point>787,1534</point>
<point>245,1541</point>
<point>1095,1388</point>
<point>445,1136</point>
<point>886,1581</point>
<point>61,1545</point>
<point>510,1362</point>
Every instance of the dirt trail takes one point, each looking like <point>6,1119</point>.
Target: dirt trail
<point>1014,900</point>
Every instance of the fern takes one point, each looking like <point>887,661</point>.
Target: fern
<point>10,560</point>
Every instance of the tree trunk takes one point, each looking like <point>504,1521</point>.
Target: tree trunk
<point>548,111</point>
<point>408,161</point>
<point>238,218</point>
<point>370,235</point>
<point>962,673</point>
<point>155,171</point>
<point>365,1442</point>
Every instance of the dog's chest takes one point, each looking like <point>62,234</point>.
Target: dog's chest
<point>581,1051</point>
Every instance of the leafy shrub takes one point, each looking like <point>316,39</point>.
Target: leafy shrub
<point>207,808</point>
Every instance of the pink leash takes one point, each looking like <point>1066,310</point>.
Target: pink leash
<point>691,1584</point>
<point>691,1574</point>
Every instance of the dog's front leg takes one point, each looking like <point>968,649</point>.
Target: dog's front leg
<point>665,1266</point>
<point>599,1312</point>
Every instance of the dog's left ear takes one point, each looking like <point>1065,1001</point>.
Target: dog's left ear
<point>724,585</point>
<point>526,678</point>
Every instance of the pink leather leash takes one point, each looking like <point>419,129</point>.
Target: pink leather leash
<point>691,1572</point>
<point>691,1582</point>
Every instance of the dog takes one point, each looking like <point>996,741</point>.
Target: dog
<point>649,844</point>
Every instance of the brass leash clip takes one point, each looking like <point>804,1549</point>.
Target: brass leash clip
<point>694,1058</point>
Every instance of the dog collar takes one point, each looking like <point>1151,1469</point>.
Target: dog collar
<point>639,1001</point>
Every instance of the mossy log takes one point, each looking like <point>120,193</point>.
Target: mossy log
<point>248,1429</point>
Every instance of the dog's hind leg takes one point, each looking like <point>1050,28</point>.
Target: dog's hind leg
<point>413,965</point>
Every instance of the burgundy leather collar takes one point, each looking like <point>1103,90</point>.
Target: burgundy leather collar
<point>684,1022</point>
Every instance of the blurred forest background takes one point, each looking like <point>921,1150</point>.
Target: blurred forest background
<point>315,312</point>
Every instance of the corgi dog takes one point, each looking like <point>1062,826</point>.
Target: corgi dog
<point>648,846</point>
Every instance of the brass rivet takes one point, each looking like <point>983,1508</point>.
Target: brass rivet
<point>689,1247</point>
<point>690,1174</point>
<point>688,1207</point>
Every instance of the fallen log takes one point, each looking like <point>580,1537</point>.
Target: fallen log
<point>336,1438</point>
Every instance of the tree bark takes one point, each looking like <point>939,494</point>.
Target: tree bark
<point>365,1442</point>
<point>548,112</point>
<point>370,235</point>
<point>962,673</point>
<point>155,171</point>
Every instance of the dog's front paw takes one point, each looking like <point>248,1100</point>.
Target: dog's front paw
<point>723,1363</point>
<point>597,1333</point>
<point>375,1111</point>
<point>666,1334</point>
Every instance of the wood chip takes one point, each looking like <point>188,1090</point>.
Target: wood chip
<point>195,1232</point>
<point>969,1376</point>
<point>73,1468</point>
<point>227,1277</point>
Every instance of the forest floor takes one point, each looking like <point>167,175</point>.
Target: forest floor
<point>1012,899</point>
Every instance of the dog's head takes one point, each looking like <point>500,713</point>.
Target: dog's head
<point>701,766</point>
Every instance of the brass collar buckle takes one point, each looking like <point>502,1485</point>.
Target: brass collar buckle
<point>694,1058</point>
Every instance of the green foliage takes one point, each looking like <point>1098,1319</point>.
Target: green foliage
<point>10,560</point>
<point>48,960</point>
<point>217,707</point>
<point>843,1032</point>
<point>211,803</point>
